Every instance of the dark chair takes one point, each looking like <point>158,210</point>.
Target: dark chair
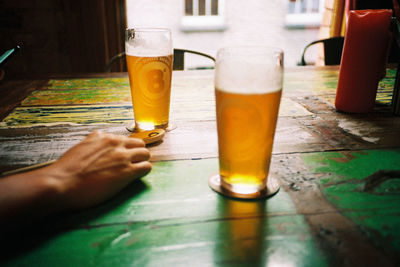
<point>332,48</point>
<point>179,58</point>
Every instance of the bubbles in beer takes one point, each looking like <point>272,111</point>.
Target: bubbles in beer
<point>150,79</point>
<point>246,126</point>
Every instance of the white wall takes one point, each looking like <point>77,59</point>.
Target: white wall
<point>247,21</point>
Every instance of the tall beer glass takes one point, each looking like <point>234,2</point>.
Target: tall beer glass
<point>149,56</point>
<point>248,87</point>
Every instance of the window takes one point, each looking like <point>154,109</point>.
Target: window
<point>203,15</point>
<point>304,13</point>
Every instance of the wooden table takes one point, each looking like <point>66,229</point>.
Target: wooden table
<point>334,207</point>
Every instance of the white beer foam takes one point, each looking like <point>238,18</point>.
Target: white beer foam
<point>249,73</point>
<point>149,45</point>
<point>248,78</point>
<point>142,51</point>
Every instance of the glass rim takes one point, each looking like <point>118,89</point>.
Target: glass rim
<point>148,29</point>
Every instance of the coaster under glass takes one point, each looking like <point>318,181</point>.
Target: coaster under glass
<point>271,189</point>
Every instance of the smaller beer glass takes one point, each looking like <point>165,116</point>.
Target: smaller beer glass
<point>149,57</point>
<point>248,88</point>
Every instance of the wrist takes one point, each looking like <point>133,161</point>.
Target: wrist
<point>49,191</point>
<point>53,188</point>
<point>29,196</point>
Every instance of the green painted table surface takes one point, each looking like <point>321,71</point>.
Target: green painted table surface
<point>339,202</point>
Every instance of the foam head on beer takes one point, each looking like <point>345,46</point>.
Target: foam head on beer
<point>148,42</point>
<point>248,86</point>
<point>149,56</point>
<point>249,70</point>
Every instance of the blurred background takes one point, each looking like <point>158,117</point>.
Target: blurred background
<point>206,25</point>
<point>71,36</point>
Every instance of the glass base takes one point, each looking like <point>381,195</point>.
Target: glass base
<point>131,127</point>
<point>271,189</point>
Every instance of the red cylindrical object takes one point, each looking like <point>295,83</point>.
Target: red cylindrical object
<point>363,59</point>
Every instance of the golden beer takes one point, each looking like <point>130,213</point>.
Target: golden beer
<point>149,61</point>
<point>246,127</point>
<point>248,88</point>
<point>150,82</point>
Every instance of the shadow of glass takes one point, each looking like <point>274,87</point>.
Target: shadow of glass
<point>241,233</point>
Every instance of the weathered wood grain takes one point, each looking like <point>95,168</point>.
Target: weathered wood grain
<point>342,177</point>
<point>320,217</point>
<point>302,176</point>
<point>24,146</point>
<point>171,218</point>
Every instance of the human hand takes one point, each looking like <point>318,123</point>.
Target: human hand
<point>97,168</point>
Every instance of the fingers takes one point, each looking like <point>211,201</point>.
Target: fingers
<point>140,154</point>
<point>94,134</point>
<point>129,155</point>
<point>116,140</point>
<point>134,142</point>
<point>119,148</point>
<point>140,169</point>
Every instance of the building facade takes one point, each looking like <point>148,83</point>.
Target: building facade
<point>206,25</point>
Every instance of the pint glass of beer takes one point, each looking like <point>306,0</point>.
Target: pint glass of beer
<point>248,87</point>
<point>149,56</point>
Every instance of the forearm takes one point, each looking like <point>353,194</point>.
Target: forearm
<point>87,174</point>
<point>27,197</point>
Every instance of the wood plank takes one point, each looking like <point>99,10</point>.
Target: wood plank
<point>93,114</point>
<point>114,91</point>
<point>170,219</point>
<point>198,139</point>
<point>244,241</point>
<point>182,110</point>
<point>337,18</point>
<point>177,192</point>
<point>90,31</point>
<point>88,83</point>
<point>78,97</point>
<point>158,219</point>
<point>342,177</point>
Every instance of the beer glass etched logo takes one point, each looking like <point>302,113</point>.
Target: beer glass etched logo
<point>155,72</point>
<point>155,81</point>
